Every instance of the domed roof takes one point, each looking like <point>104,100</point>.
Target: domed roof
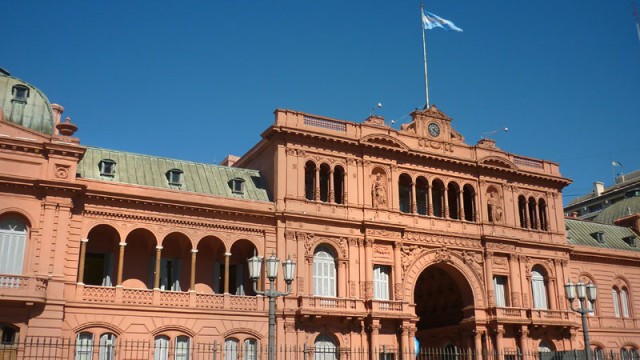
<point>24,104</point>
<point>622,208</point>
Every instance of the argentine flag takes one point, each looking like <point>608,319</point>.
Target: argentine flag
<point>430,21</point>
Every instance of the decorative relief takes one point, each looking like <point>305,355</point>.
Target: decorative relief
<point>443,255</point>
<point>363,288</point>
<point>62,172</point>
<point>409,253</point>
<point>500,261</point>
<point>382,233</point>
<point>352,288</point>
<point>300,284</point>
<point>290,235</point>
<point>494,206</point>
<point>290,151</point>
<point>342,244</point>
<point>515,299</point>
<point>382,250</point>
<point>354,241</point>
<point>501,246</point>
<point>443,240</point>
<point>379,192</point>
<point>398,291</point>
<point>368,289</point>
<point>474,260</point>
<point>289,326</point>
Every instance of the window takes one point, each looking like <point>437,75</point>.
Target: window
<point>500,289</point>
<point>237,186</point>
<point>13,238</point>
<point>522,211</point>
<point>161,348</point>
<point>7,335</point>
<point>539,289</point>
<point>170,274</point>
<point>84,346</point>
<point>174,176</point>
<point>309,180</point>
<point>624,302</point>
<point>422,202</point>
<point>325,178</point>
<point>107,347</point>
<point>437,198</point>
<point>182,348</point>
<point>381,282</point>
<point>98,269</point>
<point>338,185</point>
<point>324,273</point>
<point>616,302</point>
<point>630,240</point>
<point>598,353</point>
<point>598,236</point>
<point>453,200</point>
<point>325,348</point>
<point>20,93</point>
<point>620,298</point>
<point>250,349</point>
<point>231,349</point>
<point>107,167</point>
<point>469,203</point>
<point>404,193</point>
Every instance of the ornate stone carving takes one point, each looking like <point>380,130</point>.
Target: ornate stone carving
<point>501,246</point>
<point>342,244</point>
<point>500,261</point>
<point>397,291</point>
<point>300,284</point>
<point>352,289</point>
<point>443,240</point>
<point>382,250</point>
<point>443,255</point>
<point>62,172</point>
<point>289,326</point>
<point>379,192</point>
<point>515,299</point>
<point>354,241</point>
<point>290,151</point>
<point>474,260</point>
<point>494,206</point>
<point>368,289</point>
<point>383,233</point>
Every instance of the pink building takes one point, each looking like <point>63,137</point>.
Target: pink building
<point>397,234</point>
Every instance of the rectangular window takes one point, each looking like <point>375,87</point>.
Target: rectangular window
<point>381,282</point>
<point>170,274</point>
<point>500,289</point>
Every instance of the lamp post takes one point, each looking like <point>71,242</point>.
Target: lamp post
<point>584,293</point>
<point>289,268</point>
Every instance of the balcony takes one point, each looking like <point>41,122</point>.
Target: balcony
<point>313,306</point>
<point>385,308</point>
<point>511,315</point>
<point>549,317</point>
<point>174,299</point>
<point>23,288</point>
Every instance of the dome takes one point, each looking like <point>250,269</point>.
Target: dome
<point>25,105</point>
<point>622,208</point>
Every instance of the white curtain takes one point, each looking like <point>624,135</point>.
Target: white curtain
<point>250,349</point>
<point>231,349</point>
<point>624,301</point>
<point>499,288</point>
<point>324,274</point>
<point>182,348</point>
<point>325,348</point>
<point>161,348</point>
<point>539,290</point>
<point>84,346</point>
<point>381,282</point>
<point>616,302</point>
<point>107,346</point>
<point>13,236</point>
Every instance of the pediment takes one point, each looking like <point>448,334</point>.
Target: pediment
<point>383,140</point>
<point>498,162</point>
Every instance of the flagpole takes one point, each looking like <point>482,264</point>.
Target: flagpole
<point>424,53</point>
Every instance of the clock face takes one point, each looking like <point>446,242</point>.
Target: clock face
<point>434,129</point>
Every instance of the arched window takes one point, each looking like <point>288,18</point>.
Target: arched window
<point>532,214</point>
<point>325,176</point>
<point>469,201</point>
<point>338,185</point>
<point>437,198</point>
<point>522,211</point>
<point>404,193</point>
<point>422,192</point>
<point>325,348</point>
<point>107,347</point>
<point>624,302</point>
<point>13,239</point>
<point>230,349</point>
<point>545,350</point>
<point>84,346</point>
<point>620,301</point>
<point>453,198</point>
<point>182,348</point>
<point>542,213</point>
<point>616,301</point>
<point>324,273</point>
<point>598,353</point>
<point>539,289</point>
<point>161,348</point>
<point>250,349</point>
<point>309,180</point>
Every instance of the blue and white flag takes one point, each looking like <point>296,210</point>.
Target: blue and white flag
<point>430,21</point>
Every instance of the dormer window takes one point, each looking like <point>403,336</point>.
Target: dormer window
<point>237,185</point>
<point>174,176</point>
<point>598,236</point>
<point>630,240</point>
<point>20,93</point>
<point>107,167</point>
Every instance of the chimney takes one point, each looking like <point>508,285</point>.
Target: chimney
<point>57,115</point>
<point>598,188</point>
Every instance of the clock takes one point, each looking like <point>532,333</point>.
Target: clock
<point>434,129</point>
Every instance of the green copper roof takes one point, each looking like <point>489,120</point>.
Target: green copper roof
<point>583,233</point>
<point>152,171</point>
<point>620,209</point>
<point>32,110</point>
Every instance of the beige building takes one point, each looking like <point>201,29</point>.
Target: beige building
<point>397,235</point>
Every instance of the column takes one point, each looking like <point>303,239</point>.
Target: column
<point>478,344</point>
<point>488,256</point>
<point>310,272</point>
<point>536,216</point>
<point>461,207</point>
<point>316,193</point>
<point>331,190</point>
<point>445,202</point>
<point>192,284</point>
<point>524,341</point>
<point>403,351</point>
<point>120,263</point>
<point>368,268</point>
<point>83,254</point>
<point>397,271</point>
<point>525,281</point>
<point>156,279</point>
<point>227,256</point>
<point>499,347</point>
<point>514,284</point>
<point>414,205</point>
<point>375,331</point>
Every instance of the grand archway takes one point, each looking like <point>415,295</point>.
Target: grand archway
<point>445,306</point>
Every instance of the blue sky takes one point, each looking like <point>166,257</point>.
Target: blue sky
<point>198,80</point>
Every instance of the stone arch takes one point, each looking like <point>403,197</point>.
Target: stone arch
<point>19,213</point>
<point>245,331</point>
<point>169,328</point>
<point>98,324</point>
<point>453,260</point>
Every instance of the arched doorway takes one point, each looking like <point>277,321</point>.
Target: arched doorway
<point>444,304</point>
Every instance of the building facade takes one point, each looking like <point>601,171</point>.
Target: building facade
<point>397,235</point>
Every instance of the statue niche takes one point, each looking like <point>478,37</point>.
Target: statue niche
<point>494,207</point>
<point>379,190</point>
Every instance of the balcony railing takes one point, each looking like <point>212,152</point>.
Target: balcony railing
<point>314,305</point>
<point>385,306</point>
<point>545,315</point>
<point>162,298</point>
<point>23,288</point>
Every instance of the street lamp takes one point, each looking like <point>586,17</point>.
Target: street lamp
<point>584,293</point>
<point>289,268</point>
